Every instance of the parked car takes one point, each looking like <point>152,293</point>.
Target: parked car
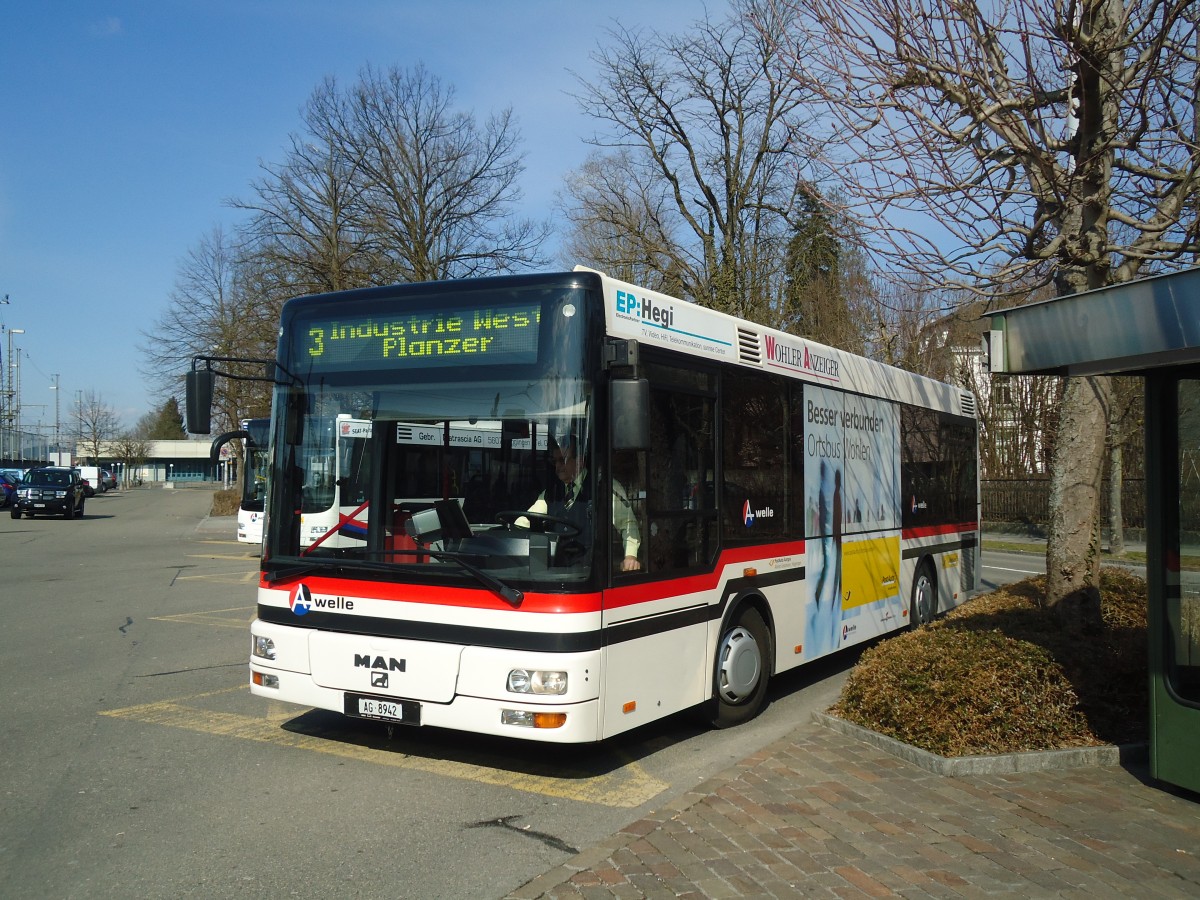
<point>88,490</point>
<point>49,490</point>
<point>9,478</point>
<point>92,475</point>
<point>108,479</point>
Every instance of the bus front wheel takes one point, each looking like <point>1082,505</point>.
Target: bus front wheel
<point>743,669</point>
<point>923,606</point>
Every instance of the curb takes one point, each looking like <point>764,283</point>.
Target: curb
<point>997,764</point>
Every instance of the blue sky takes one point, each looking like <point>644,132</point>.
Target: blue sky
<point>124,126</point>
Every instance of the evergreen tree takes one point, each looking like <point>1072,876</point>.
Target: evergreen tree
<point>163,424</point>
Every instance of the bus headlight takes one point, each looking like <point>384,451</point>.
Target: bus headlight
<point>537,681</point>
<point>262,647</point>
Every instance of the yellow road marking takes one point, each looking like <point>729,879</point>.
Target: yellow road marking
<point>250,577</point>
<point>626,787</point>
<point>212,617</point>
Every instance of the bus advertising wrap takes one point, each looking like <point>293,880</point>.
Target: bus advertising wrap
<point>851,473</point>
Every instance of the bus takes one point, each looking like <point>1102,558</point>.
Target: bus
<point>255,465</point>
<point>745,501</point>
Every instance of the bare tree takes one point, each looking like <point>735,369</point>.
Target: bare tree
<point>387,183</point>
<point>130,451</point>
<point>98,424</point>
<point>215,309</point>
<point>705,181</point>
<point>1025,140</point>
<point>310,224</point>
<point>622,220</point>
<point>439,188</point>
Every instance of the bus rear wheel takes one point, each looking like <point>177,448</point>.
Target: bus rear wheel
<point>923,606</point>
<point>742,669</point>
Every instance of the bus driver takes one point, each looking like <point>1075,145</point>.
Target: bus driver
<point>571,500</point>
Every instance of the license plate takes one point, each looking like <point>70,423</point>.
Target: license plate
<point>39,506</point>
<point>384,709</point>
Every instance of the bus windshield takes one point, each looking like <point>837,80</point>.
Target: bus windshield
<point>389,469</point>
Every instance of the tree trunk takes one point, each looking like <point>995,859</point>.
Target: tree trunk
<point>1073,541</point>
<point>1116,515</point>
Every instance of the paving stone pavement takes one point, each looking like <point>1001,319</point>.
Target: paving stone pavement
<point>823,814</point>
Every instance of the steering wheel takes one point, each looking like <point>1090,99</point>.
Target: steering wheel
<point>539,522</point>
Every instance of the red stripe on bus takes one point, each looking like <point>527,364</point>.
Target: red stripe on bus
<point>469,598</point>
<point>706,581</point>
<point>465,598</point>
<point>925,531</point>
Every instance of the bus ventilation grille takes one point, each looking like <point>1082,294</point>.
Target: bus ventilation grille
<point>749,347</point>
<point>968,404</point>
<point>967,569</point>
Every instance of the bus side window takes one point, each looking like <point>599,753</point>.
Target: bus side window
<point>755,457</point>
<point>629,486</point>
<point>680,496</point>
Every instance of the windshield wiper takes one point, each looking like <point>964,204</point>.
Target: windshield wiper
<point>510,595</point>
<point>507,593</point>
<point>277,570</point>
<point>328,564</point>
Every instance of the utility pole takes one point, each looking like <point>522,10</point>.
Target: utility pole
<point>78,423</point>
<point>14,396</point>
<point>4,399</point>
<point>57,445</point>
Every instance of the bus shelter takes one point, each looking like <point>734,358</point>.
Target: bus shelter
<point>1150,328</point>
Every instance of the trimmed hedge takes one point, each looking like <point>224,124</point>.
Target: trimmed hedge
<point>999,675</point>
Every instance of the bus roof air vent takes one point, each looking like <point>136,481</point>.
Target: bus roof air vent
<point>749,347</point>
<point>968,404</point>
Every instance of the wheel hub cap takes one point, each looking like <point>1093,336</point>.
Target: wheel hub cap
<point>741,665</point>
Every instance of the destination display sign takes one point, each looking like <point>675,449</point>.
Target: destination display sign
<point>500,334</point>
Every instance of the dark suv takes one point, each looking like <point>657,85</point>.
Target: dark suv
<point>50,490</point>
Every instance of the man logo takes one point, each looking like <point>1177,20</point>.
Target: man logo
<point>301,600</point>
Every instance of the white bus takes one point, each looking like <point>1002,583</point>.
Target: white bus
<point>623,506</point>
<point>255,465</point>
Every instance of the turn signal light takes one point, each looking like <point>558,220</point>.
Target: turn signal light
<point>528,719</point>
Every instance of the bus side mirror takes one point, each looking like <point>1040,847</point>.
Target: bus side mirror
<point>630,413</point>
<point>199,400</point>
